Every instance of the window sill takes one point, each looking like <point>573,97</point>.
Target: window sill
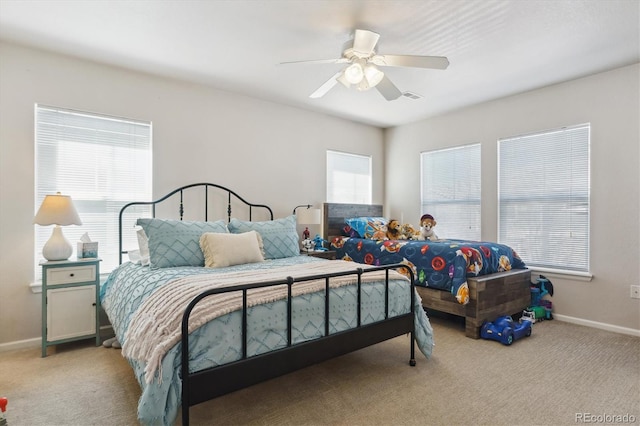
<point>36,287</point>
<point>559,273</point>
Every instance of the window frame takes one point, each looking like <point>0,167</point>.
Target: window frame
<point>579,190</point>
<point>330,194</point>
<point>59,129</point>
<point>475,233</point>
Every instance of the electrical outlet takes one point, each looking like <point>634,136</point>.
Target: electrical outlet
<point>635,291</point>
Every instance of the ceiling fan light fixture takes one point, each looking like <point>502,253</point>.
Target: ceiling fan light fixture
<point>373,75</point>
<point>354,73</point>
<point>343,79</point>
<point>362,62</point>
<point>363,85</point>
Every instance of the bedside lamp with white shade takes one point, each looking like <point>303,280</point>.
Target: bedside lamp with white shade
<point>307,216</point>
<point>57,210</point>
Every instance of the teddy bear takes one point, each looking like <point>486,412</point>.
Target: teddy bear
<point>394,230</point>
<point>427,223</point>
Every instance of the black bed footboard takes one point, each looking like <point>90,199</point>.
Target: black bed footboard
<point>210,383</point>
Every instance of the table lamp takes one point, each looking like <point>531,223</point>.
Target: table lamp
<point>57,210</point>
<point>307,216</point>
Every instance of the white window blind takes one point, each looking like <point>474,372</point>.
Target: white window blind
<point>102,163</point>
<point>451,186</point>
<point>348,178</point>
<point>544,197</point>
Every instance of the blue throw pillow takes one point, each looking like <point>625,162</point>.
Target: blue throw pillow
<point>176,242</point>
<point>279,237</point>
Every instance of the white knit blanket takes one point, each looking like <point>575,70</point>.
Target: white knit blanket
<point>156,326</point>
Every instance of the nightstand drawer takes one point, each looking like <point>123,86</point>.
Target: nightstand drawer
<point>71,274</point>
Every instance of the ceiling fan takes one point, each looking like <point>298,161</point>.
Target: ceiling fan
<point>362,71</point>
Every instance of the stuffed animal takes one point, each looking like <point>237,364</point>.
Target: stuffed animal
<point>427,223</point>
<point>394,230</point>
<point>409,232</point>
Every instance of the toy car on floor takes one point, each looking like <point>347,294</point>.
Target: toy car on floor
<point>505,330</point>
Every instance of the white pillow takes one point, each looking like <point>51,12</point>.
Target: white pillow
<point>222,250</point>
<point>134,256</point>
<point>143,246</point>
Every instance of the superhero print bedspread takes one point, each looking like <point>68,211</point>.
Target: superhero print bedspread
<point>441,264</point>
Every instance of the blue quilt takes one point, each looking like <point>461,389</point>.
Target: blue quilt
<point>442,264</point>
<point>216,342</point>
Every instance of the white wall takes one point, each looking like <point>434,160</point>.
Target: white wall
<point>268,153</point>
<point>275,154</point>
<point>611,103</point>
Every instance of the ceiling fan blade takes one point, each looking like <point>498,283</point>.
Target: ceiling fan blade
<point>364,42</point>
<point>388,89</point>
<point>435,62</point>
<point>328,85</point>
<point>318,61</point>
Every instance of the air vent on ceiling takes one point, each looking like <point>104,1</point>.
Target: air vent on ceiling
<point>411,95</point>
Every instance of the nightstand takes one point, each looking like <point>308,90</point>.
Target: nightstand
<point>328,254</point>
<point>70,301</point>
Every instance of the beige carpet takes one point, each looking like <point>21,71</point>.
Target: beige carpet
<point>560,372</point>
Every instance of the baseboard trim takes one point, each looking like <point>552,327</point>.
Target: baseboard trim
<point>37,341</point>
<point>598,325</point>
<point>21,344</point>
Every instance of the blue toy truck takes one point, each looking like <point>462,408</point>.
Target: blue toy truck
<point>505,330</point>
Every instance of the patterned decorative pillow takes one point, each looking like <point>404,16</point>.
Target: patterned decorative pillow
<point>279,237</point>
<point>176,242</point>
<point>367,227</point>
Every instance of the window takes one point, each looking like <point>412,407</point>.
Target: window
<point>543,197</point>
<point>451,186</point>
<point>101,162</point>
<point>348,178</point>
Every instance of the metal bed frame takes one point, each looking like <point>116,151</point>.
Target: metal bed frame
<point>231,195</point>
<point>201,386</point>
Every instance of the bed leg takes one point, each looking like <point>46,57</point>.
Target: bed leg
<point>412,360</point>
<point>185,417</point>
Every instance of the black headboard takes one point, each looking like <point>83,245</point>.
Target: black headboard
<point>230,196</point>
<point>334,215</point>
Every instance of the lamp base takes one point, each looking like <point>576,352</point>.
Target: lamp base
<point>58,247</point>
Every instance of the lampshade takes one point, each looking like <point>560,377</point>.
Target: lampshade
<point>57,210</point>
<point>308,216</point>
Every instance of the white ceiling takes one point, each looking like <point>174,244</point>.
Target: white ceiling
<point>496,48</point>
